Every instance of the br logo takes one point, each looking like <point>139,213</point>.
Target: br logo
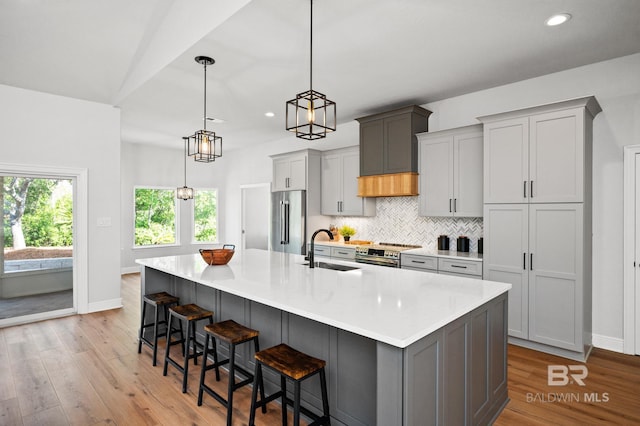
<point>562,375</point>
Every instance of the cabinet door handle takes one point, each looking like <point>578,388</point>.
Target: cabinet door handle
<point>531,190</point>
<point>459,266</point>
<point>338,206</point>
<point>450,211</point>
<point>343,252</point>
<point>531,262</point>
<point>524,187</point>
<point>524,261</point>
<point>418,261</point>
<point>455,204</point>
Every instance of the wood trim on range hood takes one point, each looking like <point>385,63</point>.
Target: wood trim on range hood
<point>388,185</point>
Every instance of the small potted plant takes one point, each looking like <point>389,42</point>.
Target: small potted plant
<point>347,232</point>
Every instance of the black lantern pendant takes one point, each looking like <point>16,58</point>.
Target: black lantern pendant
<point>311,115</point>
<point>185,193</point>
<point>204,145</point>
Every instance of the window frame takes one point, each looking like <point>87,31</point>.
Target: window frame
<point>176,219</point>
<point>193,217</point>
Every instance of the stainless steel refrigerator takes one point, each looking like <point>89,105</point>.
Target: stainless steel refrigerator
<point>288,221</point>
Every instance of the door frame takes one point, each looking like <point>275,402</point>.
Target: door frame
<point>267,186</point>
<point>80,228</point>
<point>630,331</point>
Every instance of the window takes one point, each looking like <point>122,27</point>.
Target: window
<point>205,216</point>
<point>37,225</point>
<point>155,216</point>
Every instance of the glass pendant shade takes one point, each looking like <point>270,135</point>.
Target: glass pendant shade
<point>184,193</point>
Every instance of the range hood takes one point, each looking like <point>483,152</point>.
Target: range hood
<point>389,152</point>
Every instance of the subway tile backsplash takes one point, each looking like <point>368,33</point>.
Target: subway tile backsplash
<point>397,221</point>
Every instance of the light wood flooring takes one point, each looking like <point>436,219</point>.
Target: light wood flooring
<point>85,370</point>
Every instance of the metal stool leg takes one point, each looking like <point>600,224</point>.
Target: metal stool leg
<point>155,336</point>
<point>144,311</point>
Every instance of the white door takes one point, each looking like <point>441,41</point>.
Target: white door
<point>256,208</point>
<point>331,184</point>
<point>636,278</point>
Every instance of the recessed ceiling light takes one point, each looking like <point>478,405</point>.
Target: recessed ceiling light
<point>557,19</point>
<point>269,114</point>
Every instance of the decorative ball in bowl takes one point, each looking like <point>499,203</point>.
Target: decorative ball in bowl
<point>218,256</point>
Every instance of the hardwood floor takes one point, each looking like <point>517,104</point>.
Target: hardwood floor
<point>85,370</point>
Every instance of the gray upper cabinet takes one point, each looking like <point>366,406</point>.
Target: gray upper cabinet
<point>537,155</point>
<point>291,171</point>
<point>388,143</point>
<point>450,172</point>
<point>340,169</point>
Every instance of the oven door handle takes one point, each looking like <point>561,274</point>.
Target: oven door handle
<point>378,262</point>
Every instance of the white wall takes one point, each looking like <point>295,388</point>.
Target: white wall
<point>47,130</point>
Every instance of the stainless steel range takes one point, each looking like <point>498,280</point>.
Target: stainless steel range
<point>382,254</point>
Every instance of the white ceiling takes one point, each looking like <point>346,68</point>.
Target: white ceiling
<point>369,55</point>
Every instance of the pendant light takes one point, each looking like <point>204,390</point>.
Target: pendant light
<point>204,145</point>
<point>311,115</point>
<point>185,193</point>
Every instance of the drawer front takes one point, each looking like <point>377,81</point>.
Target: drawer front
<point>343,253</point>
<point>321,251</point>
<point>428,263</point>
<point>466,267</point>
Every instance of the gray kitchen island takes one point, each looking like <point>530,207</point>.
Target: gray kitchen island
<point>402,347</point>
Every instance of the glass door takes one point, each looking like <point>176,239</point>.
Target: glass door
<point>36,257</point>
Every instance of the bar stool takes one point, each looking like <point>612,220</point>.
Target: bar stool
<point>164,300</point>
<point>297,366</point>
<point>234,334</point>
<point>190,313</point>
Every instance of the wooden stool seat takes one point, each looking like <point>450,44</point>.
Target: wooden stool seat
<point>157,300</point>
<point>234,334</point>
<point>297,366</point>
<point>190,313</point>
<point>290,362</point>
<point>231,332</point>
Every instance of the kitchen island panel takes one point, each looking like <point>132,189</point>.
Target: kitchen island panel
<point>353,378</point>
<point>312,338</point>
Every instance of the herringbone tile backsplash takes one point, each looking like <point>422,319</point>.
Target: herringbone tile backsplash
<point>397,221</point>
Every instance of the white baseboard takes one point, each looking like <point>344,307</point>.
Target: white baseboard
<point>130,270</point>
<point>104,305</point>
<point>609,343</point>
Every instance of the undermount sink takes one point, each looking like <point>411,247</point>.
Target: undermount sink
<point>333,266</point>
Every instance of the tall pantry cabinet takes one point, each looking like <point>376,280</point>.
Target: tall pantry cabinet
<point>537,221</point>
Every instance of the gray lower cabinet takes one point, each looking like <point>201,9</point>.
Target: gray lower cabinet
<point>442,265</point>
<point>539,249</point>
<point>455,375</point>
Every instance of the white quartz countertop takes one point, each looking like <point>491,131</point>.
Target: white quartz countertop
<point>391,305</point>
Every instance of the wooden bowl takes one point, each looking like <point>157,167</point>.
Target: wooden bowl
<point>218,256</point>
